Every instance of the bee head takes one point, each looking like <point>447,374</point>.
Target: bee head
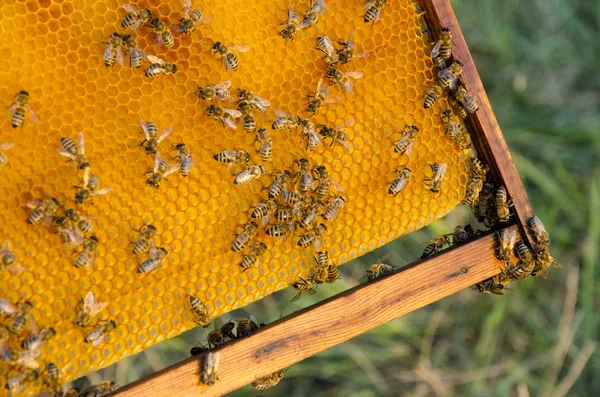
<point>112,324</point>
<point>83,166</point>
<point>23,93</point>
<point>94,239</point>
<point>216,45</point>
<point>52,331</point>
<point>179,146</point>
<point>287,173</point>
<point>247,159</point>
<point>28,304</point>
<point>194,351</point>
<point>148,13</point>
<point>163,250</point>
<point>261,168</point>
<point>153,182</point>
<point>55,201</point>
<point>323,227</point>
<point>263,245</point>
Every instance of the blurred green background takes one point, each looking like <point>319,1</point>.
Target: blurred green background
<point>540,64</point>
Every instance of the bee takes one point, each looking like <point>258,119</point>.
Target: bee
<point>457,107</point>
<point>307,181</point>
<point>348,50</point>
<point>74,151</point>
<point>216,337</point>
<point>477,168</point>
<point>232,157</point>
<point>374,9</point>
<point>71,234</point>
<point>6,308</point>
<point>246,326</point>
<point>491,285</point>
<point>470,104</point>
<point>3,158</point>
<point>21,358</point>
<point>162,33</point>
<point>88,308</point>
<point>285,120</point>
<point>86,257</point>
<point>136,54</point>
<point>51,379</point>
<point>434,182</point>
<point>219,92</point>
<point>19,108</point>
<point>440,63</point>
<point>249,174</point>
<point>291,25</point>
<point>186,162</point>
<point>432,95</point>
<point>266,382</point>
<point>251,258</point>
<point>302,286</point>
<point>379,269</point>
<point>21,316</point>
<point>227,329</point>
<point>288,214</point>
<point>316,9</point>
<point>100,390</point>
<point>263,210</point>
<point>266,144</point>
<point>42,209</point>
<point>343,79</point>
<point>406,143</point>
<point>151,137</point>
<point>486,200</point>
<point>472,193</point>
<point>17,383</point>
<point>79,221</point>
<point>333,208</point>
<point>436,245</point>
<point>454,130</point>
<point>99,333</point>
<point>229,59</point>
<point>156,258</point>
<point>279,183</point>
<point>245,237</point>
<point>524,267</point>
<point>325,45</point>
<point>159,66</point>
<point>281,230</point>
<point>313,236</point>
<point>502,204</point>
<point>248,120</point>
<point>462,235</point>
<point>311,215</point>
<point>114,50</point>
<point>325,182</point>
<point>7,257</point>
<point>506,244</point>
<point>144,240</point>
<point>318,274</point>
<point>254,101</point>
<point>194,351</point>
<point>135,17</point>
<point>320,98</point>
<point>443,47</point>
<point>337,134</point>
<point>401,181</point>
<point>295,198</point>
<point>309,134</point>
<point>161,171</point>
<point>89,189</point>
<point>538,231</point>
<point>524,254</point>
<point>200,311</point>
<point>448,77</point>
<point>210,366</point>
<point>36,341</point>
<point>543,262</point>
<point>226,116</point>
<point>191,19</point>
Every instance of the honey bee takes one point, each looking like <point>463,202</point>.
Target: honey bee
<point>295,198</point>
<point>543,262</point>
<point>491,285</point>
<point>159,66</point>
<point>216,337</point>
<point>348,50</point>
<point>136,54</point>
<point>266,382</point>
<point>186,162</point>
<point>144,240</point>
<point>401,181</point>
<point>337,134</point>
<point>42,209</point>
<point>19,108</point>
<point>281,230</point>
<point>302,286</point>
<point>318,274</point>
<point>266,144</point>
<point>226,116</point>
<point>227,329</point>
<point>502,204</point>
<point>313,236</point>
<point>457,107</point>
<point>434,182</point>
<point>114,50</point>
<point>263,210</point>
<point>191,19</point>
<point>538,231</point>
<point>325,182</point>
<point>100,390</point>
<point>285,120</point>
<point>71,234</point>
<point>86,257</point>
<point>100,333</point>
<point>454,130</point>
<point>472,193</point>
<point>51,379</point>
<point>3,158</point>
<point>334,207</point>
<point>311,215</point>
<point>462,235</point>
<point>320,98</point>
<point>162,33</point>
<point>135,17</point>
<point>161,171</point>
<point>343,79</point>
<point>374,9</point>
<point>21,358</point>
<point>229,59</point>
<point>245,237</point>
<point>325,45</point>
<point>448,77</point>
<point>524,267</point>
<point>506,244</point>
<point>210,366</point>
<point>7,257</point>
<point>470,104</point>
<point>155,259</point>
<point>200,311</point>
<point>436,245</point>
<point>309,134</point>
<point>443,47</point>
<point>79,221</point>
<point>332,273</point>
<point>219,92</point>
<point>6,308</point>
<point>432,95</point>
<point>74,151</point>
<point>252,258</point>
<point>279,183</point>
<point>406,143</point>
<point>486,200</point>
<point>88,308</point>
<point>232,157</point>
<point>89,189</point>
<point>477,168</point>
<point>17,383</point>
<point>249,174</point>
<point>291,25</point>
<point>254,101</point>
<point>248,120</point>
<point>21,316</point>
<point>379,269</point>
<point>307,181</point>
<point>312,15</point>
<point>151,137</point>
<point>36,341</point>
<point>246,326</point>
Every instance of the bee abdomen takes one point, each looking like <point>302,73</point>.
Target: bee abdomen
<point>18,117</point>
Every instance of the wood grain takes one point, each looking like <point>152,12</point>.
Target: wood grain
<point>330,322</point>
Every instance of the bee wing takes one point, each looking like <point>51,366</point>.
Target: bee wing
<point>234,113</point>
<point>363,54</point>
<point>370,4</point>
<point>187,7</point>
<point>512,237</point>
<point>354,75</point>
<point>346,123</point>
<point>145,129</point>
<point>281,113</point>
<point>89,302</point>
<point>80,141</point>
<point>32,115</point>
<point>336,185</point>
<point>6,145</point>
<point>129,8</point>
<point>347,85</point>
<point>350,42</point>
<point>12,108</point>
<point>66,154</point>
<point>319,84</point>
<point>223,85</point>
<point>76,235</point>
<point>317,245</point>
<point>436,49</point>
<point>205,21</point>
<point>172,170</point>
<point>443,167</point>
<point>335,99</point>
<point>103,191</point>
<point>177,27</point>
<point>27,359</point>
<point>157,159</point>
<point>120,56</point>
<point>240,47</point>
<point>96,342</point>
<point>409,147</point>
<point>228,122</point>
<point>158,41</point>
<point>86,177</point>
<point>7,307</point>
<point>266,219</point>
<point>165,134</point>
<point>262,101</point>
<point>155,59</point>
<point>329,49</point>
<point>226,64</point>
<point>90,260</point>
<point>290,14</point>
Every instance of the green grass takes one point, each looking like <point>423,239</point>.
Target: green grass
<point>539,64</point>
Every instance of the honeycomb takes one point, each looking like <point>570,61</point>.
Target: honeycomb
<point>53,49</point>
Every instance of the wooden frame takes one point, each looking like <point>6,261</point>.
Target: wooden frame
<point>321,326</point>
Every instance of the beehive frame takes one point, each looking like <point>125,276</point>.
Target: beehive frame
<point>360,309</point>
